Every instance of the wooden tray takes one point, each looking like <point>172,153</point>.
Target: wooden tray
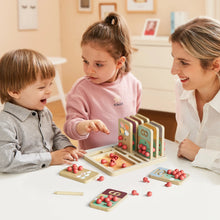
<point>133,160</point>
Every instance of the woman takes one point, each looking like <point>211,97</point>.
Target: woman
<point>196,53</point>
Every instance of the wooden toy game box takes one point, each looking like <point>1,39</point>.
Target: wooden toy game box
<point>140,143</point>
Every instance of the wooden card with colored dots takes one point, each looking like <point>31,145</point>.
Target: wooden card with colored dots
<point>145,141</point>
<point>161,130</point>
<point>125,131</point>
<point>135,135</point>
<point>83,176</point>
<point>107,200</point>
<point>174,176</point>
<point>155,138</point>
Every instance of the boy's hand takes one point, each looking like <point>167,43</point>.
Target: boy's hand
<point>188,149</point>
<point>61,157</point>
<point>85,127</point>
<point>75,153</point>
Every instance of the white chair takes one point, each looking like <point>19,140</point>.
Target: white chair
<point>57,61</point>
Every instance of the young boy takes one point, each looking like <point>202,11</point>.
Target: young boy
<point>29,139</point>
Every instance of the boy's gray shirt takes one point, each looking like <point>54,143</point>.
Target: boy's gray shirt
<point>26,139</point>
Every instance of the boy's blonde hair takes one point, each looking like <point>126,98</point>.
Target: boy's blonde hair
<point>200,37</point>
<point>19,68</point>
<point>112,35</point>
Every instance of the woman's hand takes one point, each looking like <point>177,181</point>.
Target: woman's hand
<point>188,149</point>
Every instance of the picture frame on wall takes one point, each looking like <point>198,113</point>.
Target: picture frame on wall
<point>84,6</point>
<point>151,26</point>
<point>106,8</point>
<point>141,6</point>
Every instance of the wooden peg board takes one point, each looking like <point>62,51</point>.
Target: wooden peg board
<point>161,174</point>
<point>103,206</point>
<point>83,176</point>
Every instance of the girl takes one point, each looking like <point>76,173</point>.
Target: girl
<point>109,91</point>
<point>196,53</point>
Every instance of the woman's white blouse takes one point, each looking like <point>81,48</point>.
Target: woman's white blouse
<point>205,134</point>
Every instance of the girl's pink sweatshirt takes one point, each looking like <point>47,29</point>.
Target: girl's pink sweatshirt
<point>107,102</point>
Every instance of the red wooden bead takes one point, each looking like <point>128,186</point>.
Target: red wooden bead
<point>110,197</point>
<point>144,148</point>
<point>98,201</point>
<point>147,154</point>
<point>74,165</point>
<point>120,144</point>
<point>123,165</point>
<point>176,176</point>
<point>140,146</point>
<point>103,161</point>
<point>106,199</point>
<point>80,168</point>
<point>115,157</point>
<point>173,173</point>
<point>102,198</point>
<point>181,177</point>
<point>168,184</point>
<point>101,178</point>
<point>149,193</point>
<point>112,163</point>
<point>145,179</point>
<point>111,155</point>
<point>109,203</point>
<point>134,193</point>
<point>169,171</point>
<point>75,170</point>
<point>120,137</point>
<point>124,147</point>
<point>69,169</point>
<point>115,198</point>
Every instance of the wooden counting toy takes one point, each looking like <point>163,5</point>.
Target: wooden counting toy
<point>79,174</point>
<point>107,200</point>
<point>173,176</point>
<point>138,146</point>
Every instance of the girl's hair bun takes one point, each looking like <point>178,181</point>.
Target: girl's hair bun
<point>111,19</point>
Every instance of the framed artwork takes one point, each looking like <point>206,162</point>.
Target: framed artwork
<point>84,6</point>
<point>150,27</point>
<point>105,9</point>
<point>141,6</point>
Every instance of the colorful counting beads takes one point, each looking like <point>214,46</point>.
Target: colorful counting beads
<point>74,168</point>
<point>178,174</point>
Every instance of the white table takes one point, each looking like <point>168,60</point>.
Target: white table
<point>29,196</point>
<point>57,61</point>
